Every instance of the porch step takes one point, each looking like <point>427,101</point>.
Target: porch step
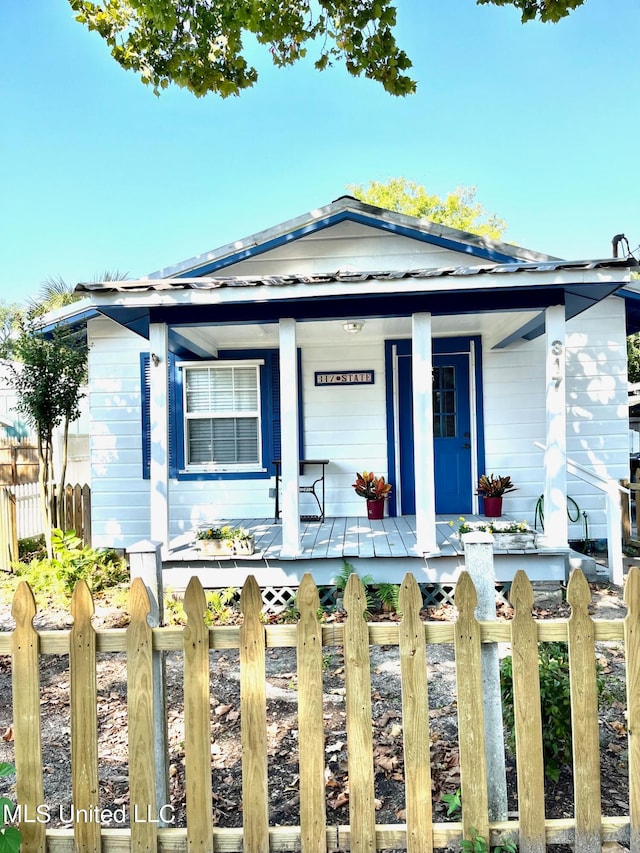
<point>592,570</point>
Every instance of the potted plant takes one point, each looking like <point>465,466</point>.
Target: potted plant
<point>375,490</point>
<point>507,535</point>
<point>225,540</point>
<point>492,487</point>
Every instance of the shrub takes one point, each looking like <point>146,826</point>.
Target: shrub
<point>72,561</point>
<point>555,699</point>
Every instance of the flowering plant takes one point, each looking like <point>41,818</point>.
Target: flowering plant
<point>491,526</point>
<point>494,486</point>
<point>226,533</point>
<point>373,488</point>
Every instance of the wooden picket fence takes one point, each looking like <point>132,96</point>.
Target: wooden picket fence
<point>419,834</point>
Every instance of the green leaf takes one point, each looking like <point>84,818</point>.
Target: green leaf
<point>10,840</point>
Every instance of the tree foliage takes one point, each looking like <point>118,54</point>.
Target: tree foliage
<point>633,357</point>
<point>545,10</point>
<point>200,44</point>
<point>48,376</point>
<point>56,293</point>
<point>459,209</point>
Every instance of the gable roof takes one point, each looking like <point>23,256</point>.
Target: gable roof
<point>348,208</point>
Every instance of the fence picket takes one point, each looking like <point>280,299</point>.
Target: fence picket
<point>528,717</point>
<point>358,704</point>
<point>632,654</point>
<point>197,722</point>
<point>415,719</point>
<point>86,514</point>
<point>25,673</point>
<point>142,797</point>
<point>473,761</point>
<point>84,721</point>
<point>77,509</point>
<point>584,716</point>
<point>310,720</point>
<point>7,535</point>
<point>253,721</point>
<point>67,507</point>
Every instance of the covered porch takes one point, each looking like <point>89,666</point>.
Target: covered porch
<point>384,550</point>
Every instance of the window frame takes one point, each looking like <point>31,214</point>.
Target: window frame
<point>258,414</point>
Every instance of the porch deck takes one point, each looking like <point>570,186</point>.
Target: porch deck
<point>383,549</point>
<point>334,537</point>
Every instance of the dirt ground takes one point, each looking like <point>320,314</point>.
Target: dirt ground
<point>282,728</point>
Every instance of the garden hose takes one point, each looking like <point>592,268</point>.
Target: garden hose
<point>571,505</point>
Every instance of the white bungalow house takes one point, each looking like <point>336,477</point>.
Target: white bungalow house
<point>356,338</point>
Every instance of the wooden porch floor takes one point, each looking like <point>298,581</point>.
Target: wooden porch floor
<point>332,538</point>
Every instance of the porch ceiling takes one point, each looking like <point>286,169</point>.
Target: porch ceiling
<point>206,339</point>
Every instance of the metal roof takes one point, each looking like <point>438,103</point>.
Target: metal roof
<point>346,276</point>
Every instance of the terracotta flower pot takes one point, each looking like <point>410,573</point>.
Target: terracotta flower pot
<point>492,507</point>
<point>375,510</point>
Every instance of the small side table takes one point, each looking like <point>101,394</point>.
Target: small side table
<point>316,488</point>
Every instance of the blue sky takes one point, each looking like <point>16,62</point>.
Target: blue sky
<point>97,173</point>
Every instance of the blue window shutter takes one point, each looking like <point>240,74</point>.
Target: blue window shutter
<point>146,417</point>
<point>276,448</point>
<point>145,393</point>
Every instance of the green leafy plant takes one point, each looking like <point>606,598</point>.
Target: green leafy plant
<point>10,836</point>
<point>478,844</point>
<point>341,579</point>
<point>494,485</point>
<point>220,607</point>
<point>228,533</point>
<point>56,578</point>
<point>389,595</point>
<point>453,802</point>
<point>555,699</point>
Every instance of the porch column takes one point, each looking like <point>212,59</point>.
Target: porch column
<point>289,431</point>
<point>159,431</point>
<point>556,527</point>
<point>422,368</point>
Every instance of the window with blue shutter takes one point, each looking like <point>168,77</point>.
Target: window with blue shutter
<point>224,419</point>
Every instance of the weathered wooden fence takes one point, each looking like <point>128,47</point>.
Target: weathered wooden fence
<point>18,461</point>
<point>21,516</point>
<point>419,834</point>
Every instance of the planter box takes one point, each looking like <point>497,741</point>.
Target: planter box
<point>225,548</point>
<point>514,541</point>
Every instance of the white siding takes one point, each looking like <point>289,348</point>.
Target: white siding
<point>349,245</point>
<point>119,494</point>
<point>597,412</point>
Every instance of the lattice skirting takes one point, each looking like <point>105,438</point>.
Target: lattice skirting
<point>277,599</point>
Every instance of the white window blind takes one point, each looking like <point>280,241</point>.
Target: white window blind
<point>222,411</point>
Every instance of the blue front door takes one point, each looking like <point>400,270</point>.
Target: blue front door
<point>451,430</point>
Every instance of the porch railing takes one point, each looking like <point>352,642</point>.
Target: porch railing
<point>614,492</point>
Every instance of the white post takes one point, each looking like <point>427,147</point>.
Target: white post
<point>614,534</point>
<point>159,429</point>
<point>478,558</point>
<point>289,431</point>
<point>556,526</point>
<point>424,466</point>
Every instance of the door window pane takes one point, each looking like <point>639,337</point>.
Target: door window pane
<point>444,402</point>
